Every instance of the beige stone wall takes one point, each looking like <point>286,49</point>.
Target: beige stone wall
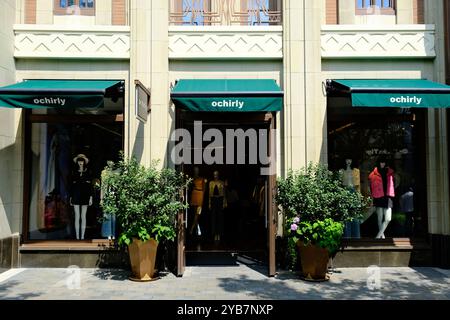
<point>103,12</point>
<point>437,149</point>
<point>10,131</point>
<point>304,126</point>
<point>44,12</point>
<point>405,11</point>
<point>150,65</point>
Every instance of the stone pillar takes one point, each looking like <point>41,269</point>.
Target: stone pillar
<point>103,12</point>
<point>437,147</point>
<point>44,11</point>
<point>11,171</point>
<point>150,64</point>
<point>137,142</point>
<point>162,117</point>
<point>302,120</point>
<point>347,11</point>
<point>405,11</point>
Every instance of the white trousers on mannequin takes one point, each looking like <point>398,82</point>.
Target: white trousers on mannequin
<point>80,211</point>
<point>384,217</point>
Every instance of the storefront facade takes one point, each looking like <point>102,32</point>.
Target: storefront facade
<point>298,45</point>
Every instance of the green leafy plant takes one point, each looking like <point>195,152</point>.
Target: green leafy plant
<point>316,206</point>
<point>326,234</point>
<point>399,217</point>
<point>144,200</point>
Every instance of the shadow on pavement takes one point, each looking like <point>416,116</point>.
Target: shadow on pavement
<point>8,292</point>
<point>420,283</point>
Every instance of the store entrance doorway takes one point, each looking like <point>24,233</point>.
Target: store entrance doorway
<point>235,218</point>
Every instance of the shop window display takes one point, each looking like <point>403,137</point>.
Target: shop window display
<point>67,160</point>
<point>381,154</point>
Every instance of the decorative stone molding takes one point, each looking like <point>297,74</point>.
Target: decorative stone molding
<point>212,42</point>
<point>68,42</point>
<point>395,41</point>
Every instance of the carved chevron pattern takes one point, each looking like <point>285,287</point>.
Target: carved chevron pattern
<point>73,44</point>
<point>341,44</point>
<point>225,45</point>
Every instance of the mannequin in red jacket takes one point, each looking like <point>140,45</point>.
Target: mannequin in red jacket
<point>383,191</point>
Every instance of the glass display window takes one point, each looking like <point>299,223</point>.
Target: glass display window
<point>380,152</point>
<point>66,154</point>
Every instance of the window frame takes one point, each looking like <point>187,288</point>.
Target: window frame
<point>391,10</point>
<point>28,120</point>
<point>58,11</point>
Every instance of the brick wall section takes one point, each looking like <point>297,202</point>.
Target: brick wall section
<point>30,12</point>
<point>119,12</point>
<point>332,11</point>
<point>419,12</point>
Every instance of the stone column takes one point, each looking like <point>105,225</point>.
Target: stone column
<point>347,11</point>
<point>302,120</point>
<point>437,147</point>
<point>44,12</point>
<point>137,141</point>
<point>405,11</point>
<point>103,10</point>
<point>162,116</point>
<point>150,64</point>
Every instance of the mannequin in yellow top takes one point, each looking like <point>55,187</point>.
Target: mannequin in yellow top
<point>351,178</point>
<point>217,202</point>
<point>197,195</point>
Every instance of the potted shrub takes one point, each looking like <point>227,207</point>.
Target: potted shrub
<point>316,206</point>
<point>145,202</point>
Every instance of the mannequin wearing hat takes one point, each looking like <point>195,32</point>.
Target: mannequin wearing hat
<point>81,196</point>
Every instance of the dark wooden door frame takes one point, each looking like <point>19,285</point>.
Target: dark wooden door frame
<point>271,216</point>
<point>270,118</point>
<point>181,230</point>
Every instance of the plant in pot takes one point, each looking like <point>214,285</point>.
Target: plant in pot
<point>145,202</point>
<point>316,206</point>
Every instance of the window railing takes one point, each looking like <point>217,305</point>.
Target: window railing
<point>74,7</point>
<point>371,7</point>
<point>225,12</point>
<point>74,12</point>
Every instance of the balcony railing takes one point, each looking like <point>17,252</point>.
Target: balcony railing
<point>225,12</point>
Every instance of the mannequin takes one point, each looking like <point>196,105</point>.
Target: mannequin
<point>109,221</point>
<point>259,196</point>
<point>197,194</point>
<point>217,203</point>
<point>383,191</point>
<point>351,178</point>
<point>407,206</point>
<point>81,195</point>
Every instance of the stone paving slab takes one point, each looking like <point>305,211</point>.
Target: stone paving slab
<point>225,283</point>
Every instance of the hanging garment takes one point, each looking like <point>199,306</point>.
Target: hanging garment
<point>198,192</point>
<point>378,187</point>
<point>81,188</point>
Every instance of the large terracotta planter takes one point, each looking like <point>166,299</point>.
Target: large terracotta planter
<point>314,262</point>
<point>142,259</point>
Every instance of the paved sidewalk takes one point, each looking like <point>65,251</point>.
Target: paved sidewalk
<point>227,283</point>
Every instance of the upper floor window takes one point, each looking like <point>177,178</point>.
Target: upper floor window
<point>225,12</point>
<point>74,7</point>
<point>366,7</point>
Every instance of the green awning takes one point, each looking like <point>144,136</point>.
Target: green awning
<point>401,93</point>
<point>228,95</point>
<point>30,94</point>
